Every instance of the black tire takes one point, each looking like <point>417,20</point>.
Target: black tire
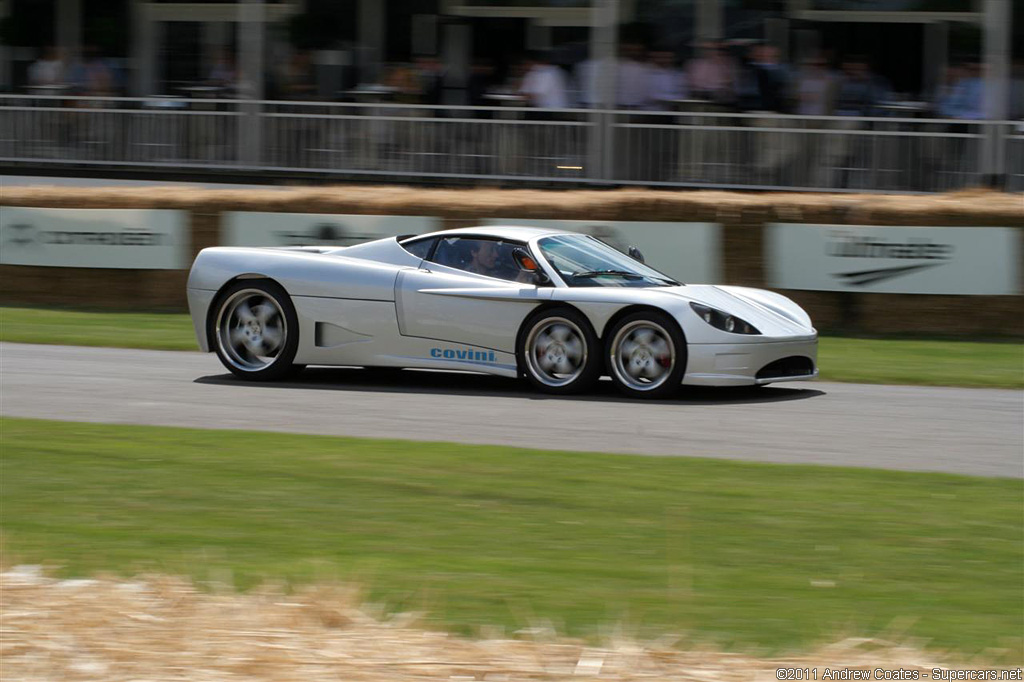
<point>241,320</point>
<point>645,373</point>
<point>572,352</point>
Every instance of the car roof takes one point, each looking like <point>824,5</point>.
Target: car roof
<point>514,232</point>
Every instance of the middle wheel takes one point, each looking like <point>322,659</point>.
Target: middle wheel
<point>559,351</point>
<point>646,355</point>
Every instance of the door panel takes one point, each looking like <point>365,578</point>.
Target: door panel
<point>450,305</point>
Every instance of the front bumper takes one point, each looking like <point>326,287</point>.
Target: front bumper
<point>747,364</point>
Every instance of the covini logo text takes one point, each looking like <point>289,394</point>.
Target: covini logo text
<point>463,354</point>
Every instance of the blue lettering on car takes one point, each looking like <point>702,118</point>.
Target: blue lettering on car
<point>463,354</point>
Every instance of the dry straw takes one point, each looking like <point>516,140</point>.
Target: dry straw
<point>161,629</point>
<point>973,206</point>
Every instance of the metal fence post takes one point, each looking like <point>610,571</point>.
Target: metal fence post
<point>250,81</point>
<point>997,50</point>
<point>603,49</point>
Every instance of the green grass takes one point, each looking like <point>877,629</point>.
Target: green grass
<point>745,556</point>
<point>881,361</point>
<point>928,362</point>
<point>155,331</point>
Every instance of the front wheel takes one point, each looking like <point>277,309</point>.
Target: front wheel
<point>646,355</point>
<point>559,351</point>
<point>255,330</point>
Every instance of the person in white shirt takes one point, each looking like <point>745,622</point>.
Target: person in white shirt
<point>544,84</point>
<point>587,74</point>
<point>815,88</point>
<point>665,82</point>
<point>49,69</point>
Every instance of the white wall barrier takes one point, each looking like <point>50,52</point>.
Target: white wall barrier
<point>893,260</point>
<point>138,239</point>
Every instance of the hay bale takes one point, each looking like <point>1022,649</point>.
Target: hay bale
<point>162,628</point>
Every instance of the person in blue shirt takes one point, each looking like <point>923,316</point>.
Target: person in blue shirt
<point>964,98</point>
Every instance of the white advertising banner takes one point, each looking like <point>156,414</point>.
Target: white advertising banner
<point>137,239</point>
<point>893,260</point>
<point>689,252</point>
<point>313,229</point>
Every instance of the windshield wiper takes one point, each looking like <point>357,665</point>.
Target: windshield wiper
<point>586,274</point>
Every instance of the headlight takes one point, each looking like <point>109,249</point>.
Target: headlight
<point>723,321</point>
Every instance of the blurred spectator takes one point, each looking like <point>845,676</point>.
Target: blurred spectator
<point>713,75</point>
<point>665,82</point>
<point>544,84</point>
<point>748,94</point>
<point>297,81</point>
<point>963,95</point>
<point>93,75</point>
<point>402,81</point>
<point>49,69</point>
<point>944,97</point>
<point>772,80</point>
<point>815,88</point>
<point>587,77</point>
<point>222,73</point>
<point>429,75</point>
<point>860,90</point>
<point>632,78</point>
<point>481,80</point>
<point>1017,90</point>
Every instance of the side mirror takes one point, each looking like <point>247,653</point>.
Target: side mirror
<point>635,254</point>
<point>526,263</point>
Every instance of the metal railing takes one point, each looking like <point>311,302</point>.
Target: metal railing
<point>512,144</point>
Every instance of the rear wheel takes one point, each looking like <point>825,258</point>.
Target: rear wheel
<point>646,355</point>
<point>255,330</point>
<point>559,351</point>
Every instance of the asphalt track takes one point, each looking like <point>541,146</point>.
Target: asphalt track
<point>954,430</point>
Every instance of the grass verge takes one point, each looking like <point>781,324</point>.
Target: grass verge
<point>878,361</point>
<point>741,555</point>
<point>153,331</point>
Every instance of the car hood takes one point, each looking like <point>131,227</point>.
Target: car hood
<point>773,314</point>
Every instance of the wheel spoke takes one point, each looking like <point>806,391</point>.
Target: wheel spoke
<point>237,337</point>
<point>265,312</point>
<point>272,338</point>
<point>652,371</point>
<point>574,349</point>
<point>626,349</point>
<point>560,332</point>
<point>634,370</point>
<point>563,366</point>
<point>246,353</point>
<point>545,363</point>
<point>643,336</point>
<point>660,347</point>
<point>244,312</point>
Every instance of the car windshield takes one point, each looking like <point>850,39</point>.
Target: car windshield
<point>583,261</point>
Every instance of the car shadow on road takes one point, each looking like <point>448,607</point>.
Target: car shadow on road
<point>383,380</point>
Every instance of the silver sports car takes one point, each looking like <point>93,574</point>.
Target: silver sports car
<point>561,309</point>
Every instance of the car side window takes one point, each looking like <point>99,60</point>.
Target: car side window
<point>418,247</point>
<point>490,257</point>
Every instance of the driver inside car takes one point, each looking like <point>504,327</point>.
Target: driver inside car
<point>494,259</point>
